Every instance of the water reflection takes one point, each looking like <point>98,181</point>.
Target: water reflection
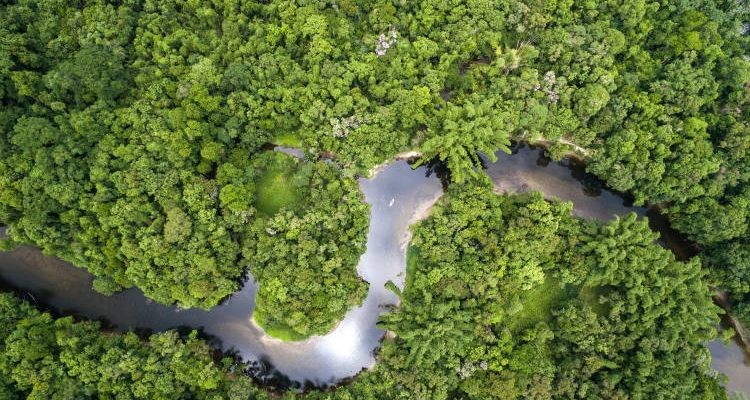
<point>529,169</point>
<point>732,362</point>
<point>398,196</point>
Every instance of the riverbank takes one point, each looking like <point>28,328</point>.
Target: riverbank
<point>406,155</point>
<point>395,194</point>
<point>741,333</point>
<point>577,152</point>
<point>577,158</point>
<point>678,243</point>
<point>398,195</point>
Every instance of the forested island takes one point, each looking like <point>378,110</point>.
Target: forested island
<point>135,142</point>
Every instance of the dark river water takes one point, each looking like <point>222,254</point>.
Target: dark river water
<point>399,196</point>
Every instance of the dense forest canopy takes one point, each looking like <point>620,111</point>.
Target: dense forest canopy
<point>510,297</point>
<point>506,297</point>
<point>305,252</point>
<point>133,143</point>
<point>129,148</point>
<point>46,358</point>
<point>117,115</point>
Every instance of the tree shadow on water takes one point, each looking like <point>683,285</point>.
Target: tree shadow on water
<point>263,371</point>
<point>437,168</point>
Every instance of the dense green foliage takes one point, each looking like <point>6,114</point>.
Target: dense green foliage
<point>304,255</point>
<point>46,358</point>
<point>506,297</point>
<point>730,266</point>
<point>117,115</point>
<point>131,144</point>
<point>623,318</point>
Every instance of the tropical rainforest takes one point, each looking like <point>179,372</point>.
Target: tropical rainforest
<point>506,297</point>
<point>510,297</point>
<point>134,140</point>
<point>47,358</point>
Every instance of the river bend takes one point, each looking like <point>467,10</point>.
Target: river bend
<point>399,196</point>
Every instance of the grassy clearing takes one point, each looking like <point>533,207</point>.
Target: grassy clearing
<point>591,296</point>
<point>538,304</point>
<point>276,190</point>
<point>288,140</point>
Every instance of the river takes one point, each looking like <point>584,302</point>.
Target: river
<point>399,196</point>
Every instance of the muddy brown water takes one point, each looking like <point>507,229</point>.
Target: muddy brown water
<point>399,196</point>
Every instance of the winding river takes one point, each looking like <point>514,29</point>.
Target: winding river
<point>399,196</point>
